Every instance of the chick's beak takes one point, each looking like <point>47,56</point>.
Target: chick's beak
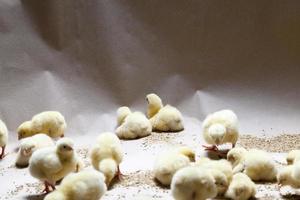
<point>69,148</point>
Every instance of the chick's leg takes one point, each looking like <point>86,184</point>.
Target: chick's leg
<point>120,175</point>
<point>47,187</point>
<point>2,155</point>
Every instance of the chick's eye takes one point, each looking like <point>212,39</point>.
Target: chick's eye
<point>64,146</point>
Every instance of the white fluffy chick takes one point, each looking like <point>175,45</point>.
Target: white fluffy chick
<point>219,128</point>
<point>222,172</point>
<point>135,125</point>
<point>29,145</point>
<point>106,156</point>
<point>241,188</point>
<point>85,185</point>
<point>257,164</point>
<point>167,163</point>
<point>290,175</point>
<point>3,138</point>
<point>122,113</point>
<point>163,118</point>
<point>51,123</point>
<point>292,155</point>
<point>51,164</point>
<point>193,183</point>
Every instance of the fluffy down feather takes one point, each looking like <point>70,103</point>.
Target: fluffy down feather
<point>221,127</point>
<point>135,125</point>
<point>85,185</point>
<point>107,155</point>
<point>51,164</point>
<point>241,188</point>
<point>290,175</point>
<point>3,138</point>
<point>167,163</point>
<point>257,164</point>
<point>30,145</point>
<point>167,118</point>
<point>51,123</point>
<point>193,183</point>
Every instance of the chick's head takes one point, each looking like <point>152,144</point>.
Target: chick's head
<point>154,104</point>
<point>235,155</point>
<point>24,130</point>
<point>65,147</point>
<point>122,113</point>
<point>188,152</point>
<point>217,133</point>
<point>27,147</point>
<point>220,180</point>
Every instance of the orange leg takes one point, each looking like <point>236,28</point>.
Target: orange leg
<point>48,187</point>
<point>119,173</point>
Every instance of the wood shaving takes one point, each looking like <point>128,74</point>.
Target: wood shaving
<point>281,144</point>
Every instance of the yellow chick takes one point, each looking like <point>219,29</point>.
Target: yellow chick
<point>107,155</point>
<point>219,128</point>
<point>29,145</point>
<point>290,175</point>
<point>222,172</point>
<point>193,183</point>
<point>3,138</point>
<point>257,164</point>
<point>51,164</point>
<point>167,163</point>
<point>85,185</point>
<point>163,118</point>
<point>51,123</point>
<point>241,188</point>
<point>134,125</point>
<point>292,155</point>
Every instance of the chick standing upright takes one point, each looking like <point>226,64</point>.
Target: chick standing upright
<point>51,164</point>
<point>3,138</point>
<point>167,163</point>
<point>132,125</point>
<point>107,155</point>
<point>85,185</point>
<point>52,123</point>
<point>163,118</point>
<point>31,144</point>
<point>257,164</point>
<point>193,183</point>
<point>220,128</point>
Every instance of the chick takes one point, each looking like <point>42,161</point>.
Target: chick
<point>290,175</point>
<point>29,145</point>
<point>85,185</point>
<point>107,155</point>
<point>241,188</point>
<point>193,183</point>
<point>163,118</point>
<point>51,164</point>
<point>219,128</point>
<point>3,138</point>
<point>292,155</point>
<point>135,125</point>
<point>257,164</point>
<point>221,171</point>
<point>51,123</point>
<point>167,163</point>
